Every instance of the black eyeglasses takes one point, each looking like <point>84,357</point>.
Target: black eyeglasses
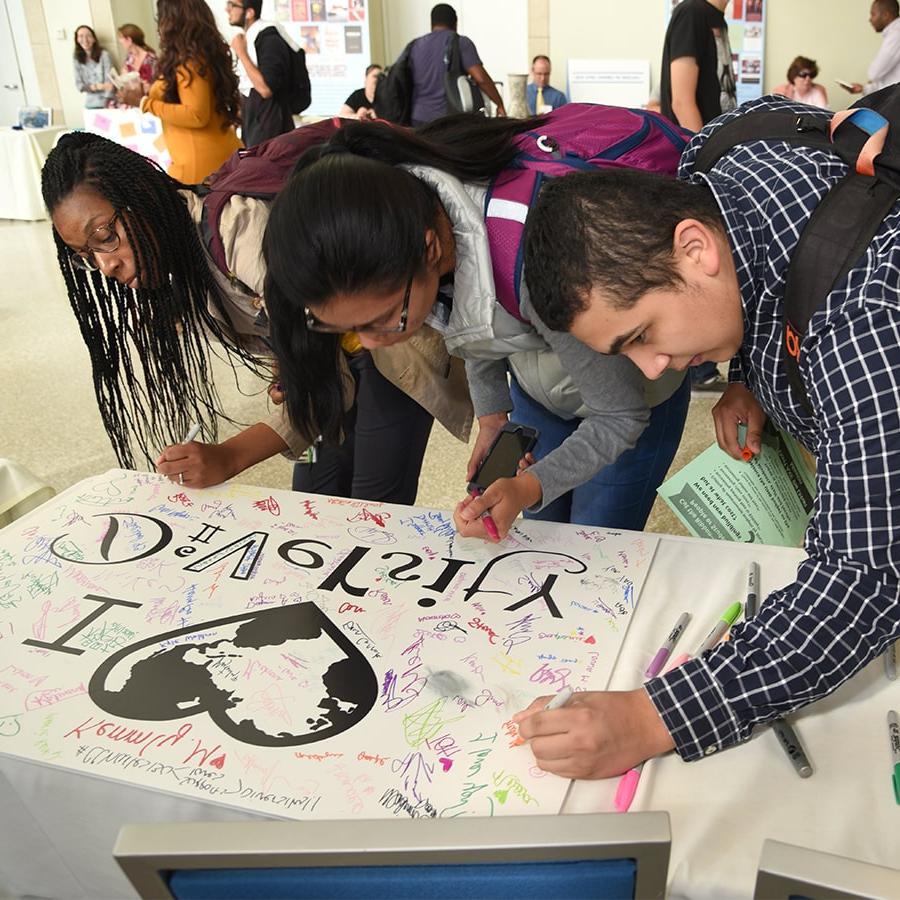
<point>104,239</point>
<point>805,74</point>
<point>313,324</point>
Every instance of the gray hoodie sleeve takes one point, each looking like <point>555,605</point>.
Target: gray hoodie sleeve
<point>612,389</point>
<point>488,385</point>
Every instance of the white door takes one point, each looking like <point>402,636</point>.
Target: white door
<point>12,91</point>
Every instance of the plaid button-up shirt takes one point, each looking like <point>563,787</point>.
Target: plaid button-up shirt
<point>844,607</point>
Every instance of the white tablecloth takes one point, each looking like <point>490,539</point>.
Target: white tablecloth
<point>724,806</point>
<point>22,156</point>
<point>59,827</point>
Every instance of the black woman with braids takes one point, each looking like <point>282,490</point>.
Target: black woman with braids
<point>148,297</point>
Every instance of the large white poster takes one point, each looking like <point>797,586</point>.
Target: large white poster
<point>299,655</point>
<point>335,36</point>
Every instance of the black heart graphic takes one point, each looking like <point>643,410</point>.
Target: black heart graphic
<point>275,678</point>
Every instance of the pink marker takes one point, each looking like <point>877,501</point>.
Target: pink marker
<point>628,785</point>
<point>490,526</point>
<point>679,660</point>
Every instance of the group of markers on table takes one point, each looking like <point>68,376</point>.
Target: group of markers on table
<point>785,733</point>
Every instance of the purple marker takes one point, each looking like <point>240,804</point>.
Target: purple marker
<point>662,654</point>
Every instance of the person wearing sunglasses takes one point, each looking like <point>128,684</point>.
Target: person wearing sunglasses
<point>150,301</point>
<point>382,231</point>
<point>800,85</point>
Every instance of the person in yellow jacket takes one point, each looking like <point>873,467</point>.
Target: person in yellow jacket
<point>196,94</point>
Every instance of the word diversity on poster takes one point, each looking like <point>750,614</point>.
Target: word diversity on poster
<point>301,655</point>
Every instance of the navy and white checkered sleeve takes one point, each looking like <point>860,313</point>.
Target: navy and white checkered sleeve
<point>844,607</point>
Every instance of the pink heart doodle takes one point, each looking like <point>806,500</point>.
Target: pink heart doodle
<point>446,763</point>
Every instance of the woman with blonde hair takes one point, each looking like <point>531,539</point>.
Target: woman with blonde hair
<point>196,91</point>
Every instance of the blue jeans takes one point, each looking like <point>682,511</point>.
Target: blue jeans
<point>703,372</point>
<point>620,495</point>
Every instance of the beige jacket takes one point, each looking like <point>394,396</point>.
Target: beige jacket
<point>420,366</point>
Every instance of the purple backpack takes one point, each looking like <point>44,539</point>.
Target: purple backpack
<point>260,172</point>
<point>576,137</point>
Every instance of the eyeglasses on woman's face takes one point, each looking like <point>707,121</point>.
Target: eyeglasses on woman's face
<point>805,74</point>
<point>104,239</point>
<point>313,324</point>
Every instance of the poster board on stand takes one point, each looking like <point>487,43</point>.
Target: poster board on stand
<point>335,36</point>
<point>615,82</point>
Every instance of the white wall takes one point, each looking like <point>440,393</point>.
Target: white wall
<point>31,93</point>
<point>140,13</point>
<point>836,33</point>
<point>63,17</point>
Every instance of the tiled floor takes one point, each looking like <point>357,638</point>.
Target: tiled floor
<point>48,416</point>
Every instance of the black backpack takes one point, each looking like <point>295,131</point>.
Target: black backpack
<point>394,90</point>
<point>463,95</point>
<point>301,90</point>
<point>847,217</point>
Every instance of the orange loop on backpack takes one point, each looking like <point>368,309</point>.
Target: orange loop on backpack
<point>865,162</point>
<point>792,341</point>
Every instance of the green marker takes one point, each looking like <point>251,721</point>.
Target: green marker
<point>894,734</point>
<point>725,622</point>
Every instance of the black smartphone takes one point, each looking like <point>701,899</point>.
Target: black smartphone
<point>502,460</point>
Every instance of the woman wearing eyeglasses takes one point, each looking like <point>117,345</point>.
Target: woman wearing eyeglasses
<point>800,84</point>
<point>196,92</point>
<point>383,232</point>
<point>148,297</point>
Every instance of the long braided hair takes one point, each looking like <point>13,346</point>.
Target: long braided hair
<point>149,346</point>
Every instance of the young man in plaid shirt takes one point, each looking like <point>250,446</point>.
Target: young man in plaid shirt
<point>671,274</point>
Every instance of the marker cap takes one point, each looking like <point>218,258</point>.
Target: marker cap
<point>679,660</point>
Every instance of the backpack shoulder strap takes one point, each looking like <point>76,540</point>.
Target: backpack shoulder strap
<point>259,172</point>
<point>835,237</point>
<point>842,224</point>
<point>509,197</point>
<point>763,125</point>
